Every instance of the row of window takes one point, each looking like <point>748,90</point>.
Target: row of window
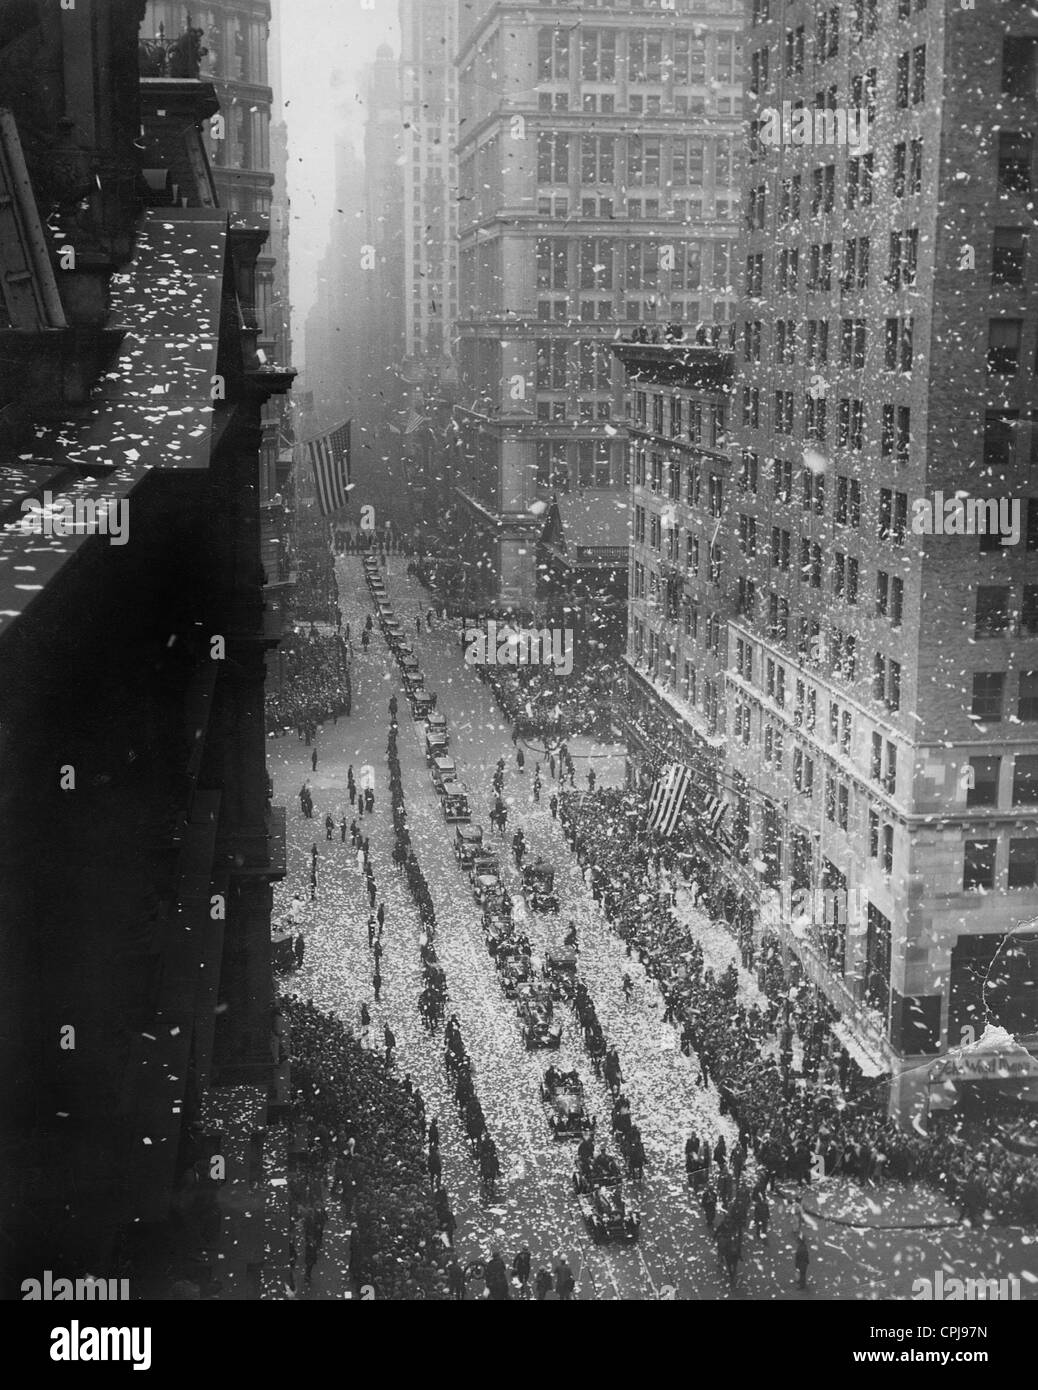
<point>641,161</point>
<point>652,56</point>
<point>894,420</point>
<point>788,341</point>
<point>602,263</point>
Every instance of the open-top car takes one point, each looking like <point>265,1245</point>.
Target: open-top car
<point>485,887</point>
<point>604,1207</point>
<point>485,862</point>
<point>560,970</point>
<point>513,965</point>
<point>539,886</point>
<point>468,840</point>
<point>444,770</point>
<point>498,927</point>
<point>536,1015</point>
<point>563,1095</point>
<point>455,802</point>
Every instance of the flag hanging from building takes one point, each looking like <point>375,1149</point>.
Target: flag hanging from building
<point>668,795</point>
<point>330,457</point>
<point>713,813</point>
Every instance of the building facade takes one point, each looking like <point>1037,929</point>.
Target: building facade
<point>677,416</point>
<point>132,670</point>
<point>881,671</point>
<point>429,105</point>
<point>597,187</point>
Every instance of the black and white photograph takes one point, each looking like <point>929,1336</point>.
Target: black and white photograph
<point>519,667</point>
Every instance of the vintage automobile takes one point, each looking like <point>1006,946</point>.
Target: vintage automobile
<point>560,970</point>
<point>436,723</point>
<point>444,770</point>
<point>485,862</point>
<point>484,887</point>
<point>536,1015</point>
<point>539,886</point>
<point>455,802</point>
<point>563,1096</point>
<point>513,967</point>
<point>436,746</point>
<point>422,702</point>
<point>498,927</point>
<point>413,680</point>
<point>468,840</point>
<point>604,1207</point>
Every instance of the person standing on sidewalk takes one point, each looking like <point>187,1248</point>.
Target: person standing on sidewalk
<point>521,1270</point>
<point>520,759</point>
<point>390,1045</point>
<point>802,1259</point>
<point>564,1282</point>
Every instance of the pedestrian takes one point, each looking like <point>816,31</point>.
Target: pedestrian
<point>802,1259</point>
<point>456,1281</point>
<point>371,930</point>
<point>591,779</point>
<point>343,828</point>
<point>564,1282</point>
<point>628,987</point>
<point>314,855</point>
<point>299,947</point>
<point>329,826</point>
<point>360,861</point>
<point>434,1132</point>
<point>551,766</point>
<point>381,918</point>
<point>376,985</point>
<point>761,1213</point>
<point>521,1271</point>
<point>520,759</point>
<point>541,1284</point>
<point>435,1166</point>
<point>537,785</point>
<point>390,1045</point>
<point>313,760</point>
<point>553,806</point>
<point>378,952</point>
<point>496,1277</point>
<point>372,893</point>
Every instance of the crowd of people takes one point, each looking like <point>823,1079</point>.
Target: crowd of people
<point>314,686</point>
<point>827,1119</point>
<point>364,1147</point>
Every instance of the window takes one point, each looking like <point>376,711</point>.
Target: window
<point>1023,863</point>
<point>978,868</point>
<point>1025,780</point>
<point>748,471</point>
<point>553,54</point>
<point>1007,257</point>
<point>992,616</point>
<point>852,343</point>
<point>898,345</point>
<point>551,263</point>
<point>1014,162</point>
<point>1027,705</point>
<point>888,849</point>
<point>1004,346</point>
<point>552,157</point>
<point>919,75</point>
<point>982,788</point>
<point>1019,66</point>
<point>988,691</point>
<point>598,55</point>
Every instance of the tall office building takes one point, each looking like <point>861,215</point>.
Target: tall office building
<point>882,671</point>
<point>428,89</point>
<point>247,144</point>
<point>597,188</point>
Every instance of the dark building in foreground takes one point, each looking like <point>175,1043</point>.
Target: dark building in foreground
<point>141,1066</point>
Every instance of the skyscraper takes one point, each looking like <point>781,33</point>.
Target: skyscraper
<point>429,100</point>
<point>596,160</point>
<point>882,676</point>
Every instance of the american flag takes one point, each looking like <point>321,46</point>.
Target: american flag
<point>668,795</point>
<point>330,458</point>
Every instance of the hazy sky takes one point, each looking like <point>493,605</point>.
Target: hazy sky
<point>324,46</point>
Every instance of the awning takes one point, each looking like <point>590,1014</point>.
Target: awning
<point>868,1064</point>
